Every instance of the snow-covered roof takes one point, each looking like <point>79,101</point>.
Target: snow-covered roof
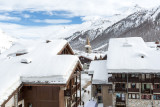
<point>44,67</point>
<point>92,55</point>
<point>132,55</point>
<point>100,75</point>
<point>151,44</point>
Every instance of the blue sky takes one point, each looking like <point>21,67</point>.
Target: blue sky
<point>40,18</point>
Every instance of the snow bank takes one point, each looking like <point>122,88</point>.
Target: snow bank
<point>91,104</point>
<point>5,41</point>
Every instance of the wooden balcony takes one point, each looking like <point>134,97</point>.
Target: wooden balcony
<point>147,91</point>
<point>120,89</point>
<point>156,90</point>
<point>120,102</point>
<point>147,80</point>
<point>133,90</point>
<point>74,89</point>
<point>134,79</point>
<point>117,79</point>
<point>69,92</point>
<point>76,103</point>
<point>156,80</point>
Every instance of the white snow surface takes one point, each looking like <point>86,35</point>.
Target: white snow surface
<point>129,59</point>
<point>91,104</point>
<point>46,67</point>
<point>5,41</point>
<point>100,75</point>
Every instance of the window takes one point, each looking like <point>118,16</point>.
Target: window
<point>145,86</point>
<point>120,96</point>
<point>133,85</point>
<point>29,105</point>
<point>147,97</point>
<point>99,89</point>
<point>134,75</point>
<point>118,85</point>
<point>156,86</point>
<point>147,75</point>
<point>100,100</point>
<point>123,75</point>
<point>156,97</point>
<point>133,96</point>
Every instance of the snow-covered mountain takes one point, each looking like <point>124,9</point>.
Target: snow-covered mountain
<point>143,23</point>
<point>5,41</point>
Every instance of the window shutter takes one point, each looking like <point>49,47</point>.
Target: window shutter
<point>129,85</point>
<point>137,85</point>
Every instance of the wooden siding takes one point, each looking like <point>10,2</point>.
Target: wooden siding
<point>40,96</point>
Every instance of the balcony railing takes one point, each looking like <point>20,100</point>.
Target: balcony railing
<point>120,89</point>
<point>147,91</point>
<point>134,79</point>
<point>76,103</point>
<point>69,92</point>
<point>156,80</point>
<point>120,102</point>
<point>149,80</point>
<point>74,89</point>
<point>133,90</point>
<point>156,90</point>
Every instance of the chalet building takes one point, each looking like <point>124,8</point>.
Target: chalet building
<point>135,73</point>
<point>85,60</point>
<point>40,75</point>
<point>100,84</point>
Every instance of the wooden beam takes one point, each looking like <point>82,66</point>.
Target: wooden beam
<point>3,104</point>
<point>48,85</point>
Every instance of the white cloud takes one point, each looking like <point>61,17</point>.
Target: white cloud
<point>52,21</point>
<point>9,18</point>
<point>40,32</point>
<point>76,7</point>
<point>26,16</point>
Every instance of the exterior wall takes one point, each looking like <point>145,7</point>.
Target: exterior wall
<point>139,103</point>
<point>93,91</point>
<point>61,98</point>
<point>156,103</point>
<point>107,97</point>
<point>40,96</point>
<point>114,100</point>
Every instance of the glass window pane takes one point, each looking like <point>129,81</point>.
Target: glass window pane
<point>154,97</point>
<point>133,96</point>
